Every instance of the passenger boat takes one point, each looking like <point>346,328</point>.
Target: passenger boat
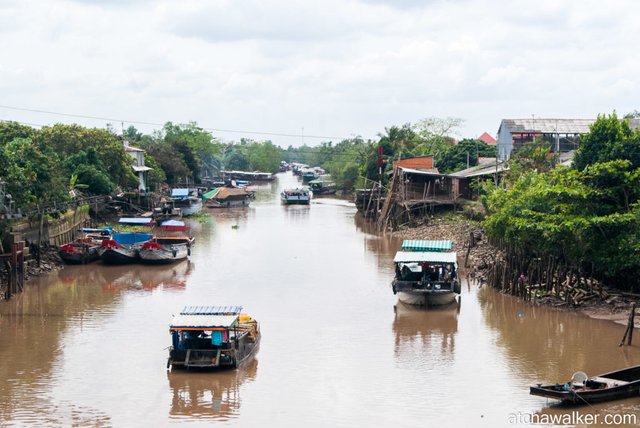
<point>165,249</point>
<point>309,174</point>
<point>323,186</point>
<point>186,201</point>
<point>426,273</point>
<point>582,389</point>
<point>248,175</point>
<point>123,248</point>
<point>85,249</point>
<point>212,337</point>
<point>295,196</point>
<point>227,197</point>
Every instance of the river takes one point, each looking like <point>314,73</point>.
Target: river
<point>87,346</point>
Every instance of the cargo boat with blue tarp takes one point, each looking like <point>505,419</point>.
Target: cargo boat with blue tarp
<point>211,337</point>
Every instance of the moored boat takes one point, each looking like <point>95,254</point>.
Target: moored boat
<point>582,389</point>
<point>123,248</point>
<point>295,196</point>
<point>186,201</point>
<point>227,197</point>
<point>211,337</point>
<point>165,249</point>
<point>426,273</point>
<point>85,249</point>
<point>323,185</point>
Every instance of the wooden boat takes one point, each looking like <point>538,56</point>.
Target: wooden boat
<point>123,248</point>
<point>426,274</point>
<point>227,197</point>
<point>165,249</point>
<point>248,175</point>
<point>186,201</point>
<point>322,186</point>
<point>295,196</point>
<point>85,249</point>
<point>212,337</point>
<point>582,389</point>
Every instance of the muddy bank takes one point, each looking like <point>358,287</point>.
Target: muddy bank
<point>605,303</point>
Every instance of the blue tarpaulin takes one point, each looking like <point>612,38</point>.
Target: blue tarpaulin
<point>179,193</point>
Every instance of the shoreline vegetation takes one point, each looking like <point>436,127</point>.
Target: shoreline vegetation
<point>591,299</point>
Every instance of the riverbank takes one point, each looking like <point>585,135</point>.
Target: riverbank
<point>604,303</point>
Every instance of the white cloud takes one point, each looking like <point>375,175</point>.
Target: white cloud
<point>334,67</point>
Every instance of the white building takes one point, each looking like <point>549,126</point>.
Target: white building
<point>138,166</point>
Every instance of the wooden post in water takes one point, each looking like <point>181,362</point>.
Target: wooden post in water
<point>628,333</point>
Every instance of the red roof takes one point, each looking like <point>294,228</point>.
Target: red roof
<point>486,138</point>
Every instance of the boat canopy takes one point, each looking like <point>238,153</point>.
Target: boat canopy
<point>425,256</point>
<point>210,194</point>
<point>130,238</point>
<point>205,317</point>
<point>173,225</point>
<point>426,245</point>
<point>179,193</point>
<point>107,229</point>
<point>136,220</point>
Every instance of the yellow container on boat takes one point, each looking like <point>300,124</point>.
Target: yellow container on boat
<point>245,317</point>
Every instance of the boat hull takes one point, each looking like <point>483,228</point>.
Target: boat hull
<point>164,256</point>
<point>193,208</point>
<point>228,204</point>
<point>91,254</point>
<point>214,359</point>
<point>119,256</point>
<point>427,297</point>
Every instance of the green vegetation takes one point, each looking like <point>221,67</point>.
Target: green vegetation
<point>586,218</point>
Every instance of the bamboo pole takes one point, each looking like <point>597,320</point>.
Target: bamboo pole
<point>628,333</point>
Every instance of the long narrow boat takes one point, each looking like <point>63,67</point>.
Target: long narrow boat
<point>123,248</point>
<point>212,337</point>
<point>165,249</point>
<point>582,389</point>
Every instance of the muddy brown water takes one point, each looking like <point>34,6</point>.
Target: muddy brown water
<point>87,346</point>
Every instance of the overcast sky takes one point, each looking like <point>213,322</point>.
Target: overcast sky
<point>335,68</point>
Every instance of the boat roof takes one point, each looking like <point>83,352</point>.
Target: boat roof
<point>135,220</point>
<point>425,256</point>
<point>203,317</point>
<point>107,229</point>
<point>168,223</point>
<point>426,245</point>
<point>179,193</point>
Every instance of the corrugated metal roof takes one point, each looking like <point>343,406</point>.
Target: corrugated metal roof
<point>486,167</point>
<point>202,321</point>
<point>425,256</point>
<point>211,310</point>
<point>423,171</point>
<point>426,245</point>
<point>135,220</point>
<point>547,126</point>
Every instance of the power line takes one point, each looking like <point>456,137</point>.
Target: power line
<point>139,122</point>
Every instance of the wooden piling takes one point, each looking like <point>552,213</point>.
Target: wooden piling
<point>628,333</point>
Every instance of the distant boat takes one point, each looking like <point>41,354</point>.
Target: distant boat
<point>323,186</point>
<point>248,175</point>
<point>123,248</point>
<point>187,201</point>
<point>426,273</point>
<point>165,249</point>
<point>212,337</point>
<point>295,196</point>
<point>582,389</point>
<point>227,197</point>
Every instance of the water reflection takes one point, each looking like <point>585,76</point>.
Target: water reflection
<point>296,213</point>
<point>209,395</point>
<point>425,334</point>
<point>113,279</point>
